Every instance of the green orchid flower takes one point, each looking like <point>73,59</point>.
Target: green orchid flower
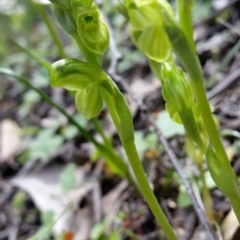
<point>90,26</point>
<point>85,79</point>
<point>147,30</point>
<point>180,104</point>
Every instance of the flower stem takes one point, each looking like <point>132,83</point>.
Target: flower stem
<point>190,61</point>
<point>100,131</point>
<point>185,19</point>
<point>207,199</point>
<point>140,175</point>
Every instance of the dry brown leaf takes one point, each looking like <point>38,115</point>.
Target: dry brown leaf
<point>45,190</point>
<point>230,225</point>
<point>10,139</point>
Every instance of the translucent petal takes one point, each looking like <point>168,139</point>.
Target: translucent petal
<point>155,44</point>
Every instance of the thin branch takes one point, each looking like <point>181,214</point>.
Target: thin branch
<point>200,213</point>
<point>224,84</point>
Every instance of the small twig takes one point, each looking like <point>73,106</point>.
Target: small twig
<point>228,25</point>
<point>224,84</point>
<point>163,141</point>
<point>236,74</point>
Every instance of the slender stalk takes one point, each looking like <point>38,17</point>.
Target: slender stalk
<point>191,63</point>
<point>99,129</point>
<point>207,200</point>
<point>140,175</point>
<point>51,30</point>
<point>185,19</point>
<point>200,213</point>
<point>122,119</point>
<point>32,55</point>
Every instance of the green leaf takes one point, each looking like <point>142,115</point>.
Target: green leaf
<point>143,143</point>
<point>98,230</point>
<point>115,236</point>
<point>155,44</point>
<point>67,177</point>
<point>168,127</point>
<point>184,200</point>
<point>45,144</point>
<point>69,132</point>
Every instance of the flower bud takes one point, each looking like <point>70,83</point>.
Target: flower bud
<point>74,74</point>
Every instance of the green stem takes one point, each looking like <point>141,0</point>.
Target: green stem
<point>191,63</point>
<point>140,175</point>
<point>207,200</point>
<point>121,116</point>
<point>51,30</point>
<point>31,54</point>
<point>185,19</point>
<point>99,129</point>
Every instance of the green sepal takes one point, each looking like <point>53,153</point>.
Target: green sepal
<point>155,44</point>
<point>74,74</point>
<point>222,176</point>
<point>89,102</point>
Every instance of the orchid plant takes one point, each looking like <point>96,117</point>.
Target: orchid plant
<point>183,92</point>
<point>159,35</point>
